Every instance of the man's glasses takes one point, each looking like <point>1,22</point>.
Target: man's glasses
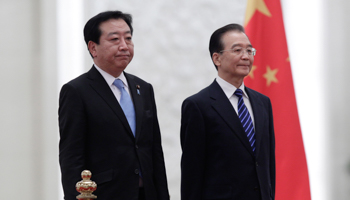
<point>239,51</point>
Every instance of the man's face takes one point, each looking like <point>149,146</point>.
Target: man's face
<point>116,49</point>
<point>232,64</point>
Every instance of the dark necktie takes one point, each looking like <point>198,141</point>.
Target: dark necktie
<point>245,118</point>
<point>126,104</point>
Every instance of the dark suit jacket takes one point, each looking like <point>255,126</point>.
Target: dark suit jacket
<point>95,135</point>
<point>218,161</point>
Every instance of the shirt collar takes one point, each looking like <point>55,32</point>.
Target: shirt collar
<point>109,78</point>
<point>228,88</point>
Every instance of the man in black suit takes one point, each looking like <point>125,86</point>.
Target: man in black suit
<point>122,148</point>
<point>224,158</point>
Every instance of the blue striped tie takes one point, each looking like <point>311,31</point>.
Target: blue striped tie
<point>126,104</point>
<point>245,118</point>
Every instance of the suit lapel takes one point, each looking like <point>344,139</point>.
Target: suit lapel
<point>98,83</point>
<point>225,109</point>
<point>135,89</point>
<point>257,108</point>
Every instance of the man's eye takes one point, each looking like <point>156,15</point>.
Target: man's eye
<point>237,50</point>
<point>115,39</point>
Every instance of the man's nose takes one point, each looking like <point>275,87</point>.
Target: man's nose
<point>123,45</point>
<point>245,55</point>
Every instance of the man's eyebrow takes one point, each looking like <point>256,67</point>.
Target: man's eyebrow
<point>234,45</point>
<point>118,33</point>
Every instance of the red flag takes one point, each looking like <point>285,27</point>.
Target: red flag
<point>271,75</point>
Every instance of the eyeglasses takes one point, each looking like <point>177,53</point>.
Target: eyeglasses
<point>239,51</point>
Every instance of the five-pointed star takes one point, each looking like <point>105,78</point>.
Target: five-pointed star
<point>251,73</point>
<point>254,5</point>
<point>270,75</point>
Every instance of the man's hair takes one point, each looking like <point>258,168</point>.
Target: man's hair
<point>216,44</point>
<point>92,31</point>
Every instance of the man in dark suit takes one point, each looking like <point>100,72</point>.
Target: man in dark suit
<point>119,143</point>
<point>227,133</point>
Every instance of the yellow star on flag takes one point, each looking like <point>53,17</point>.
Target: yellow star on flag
<point>288,60</point>
<point>270,75</point>
<point>251,73</point>
<point>252,7</point>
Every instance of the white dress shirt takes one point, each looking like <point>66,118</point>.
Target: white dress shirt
<point>110,79</point>
<point>229,91</point>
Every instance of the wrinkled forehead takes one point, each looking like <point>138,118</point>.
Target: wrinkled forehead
<point>235,38</point>
<point>116,26</point>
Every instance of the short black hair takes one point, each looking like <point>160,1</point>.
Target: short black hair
<point>92,31</point>
<point>216,44</point>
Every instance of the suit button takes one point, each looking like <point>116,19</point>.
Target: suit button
<point>137,171</point>
<point>136,146</point>
<point>256,163</point>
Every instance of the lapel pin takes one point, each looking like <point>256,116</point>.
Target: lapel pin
<point>138,89</point>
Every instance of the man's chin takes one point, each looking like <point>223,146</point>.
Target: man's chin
<point>122,63</point>
<point>245,72</point>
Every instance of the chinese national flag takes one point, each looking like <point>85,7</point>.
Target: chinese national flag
<point>271,75</point>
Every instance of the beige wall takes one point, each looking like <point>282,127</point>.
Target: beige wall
<point>337,60</point>
<point>42,47</point>
<point>28,145</point>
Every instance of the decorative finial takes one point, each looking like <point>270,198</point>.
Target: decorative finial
<point>86,186</point>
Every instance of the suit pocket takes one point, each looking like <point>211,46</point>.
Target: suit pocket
<point>102,177</point>
<point>217,192</point>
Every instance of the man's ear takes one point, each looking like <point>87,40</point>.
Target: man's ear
<point>92,48</point>
<point>216,59</point>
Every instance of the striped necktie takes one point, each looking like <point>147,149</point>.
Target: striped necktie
<point>245,118</point>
